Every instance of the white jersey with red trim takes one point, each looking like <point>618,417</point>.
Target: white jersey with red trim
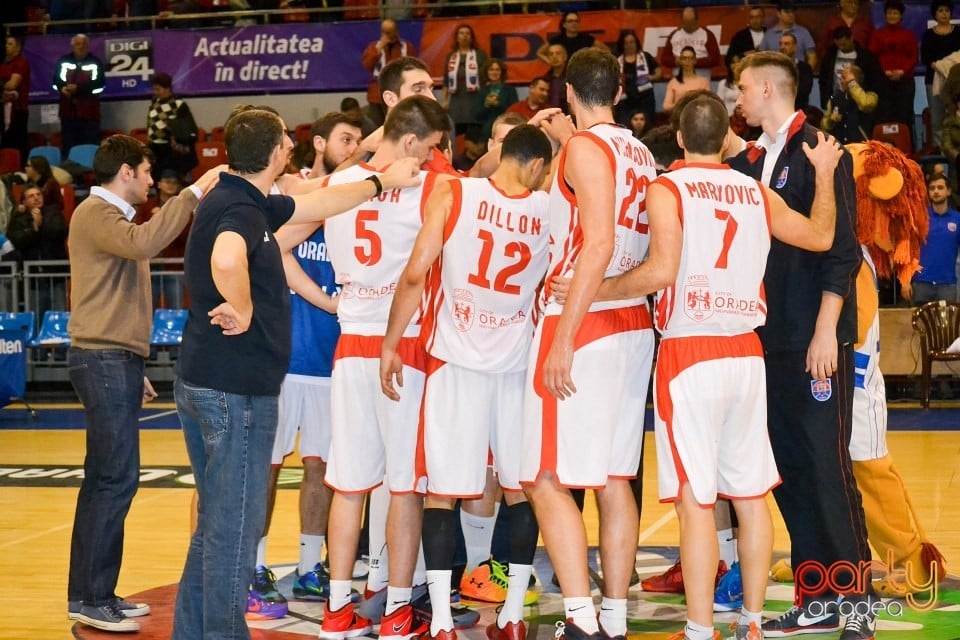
<point>481,303</point>
<point>633,168</point>
<point>369,246</point>
<point>726,237</point>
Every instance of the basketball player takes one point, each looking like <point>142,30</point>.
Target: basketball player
<point>587,379</point>
<point>808,343</point>
<point>710,233</point>
<point>371,436</point>
<point>490,236</point>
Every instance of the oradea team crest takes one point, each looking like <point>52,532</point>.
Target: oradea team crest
<point>821,389</point>
<point>697,302</point>
<point>464,311</point>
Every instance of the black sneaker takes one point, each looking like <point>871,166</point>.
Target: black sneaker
<point>463,617</point>
<point>107,617</point>
<point>128,609</point>
<point>568,630</point>
<point>859,627</point>
<point>796,621</point>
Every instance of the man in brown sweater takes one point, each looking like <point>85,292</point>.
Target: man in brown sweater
<point>110,334</point>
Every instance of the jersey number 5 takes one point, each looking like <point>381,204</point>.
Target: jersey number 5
<point>517,250</point>
<point>365,256</point>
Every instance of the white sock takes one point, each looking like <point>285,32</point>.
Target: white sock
<point>438,584</point>
<point>262,552</point>
<point>728,546</point>
<point>397,597</point>
<point>477,536</point>
<point>582,613</point>
<point>311,552</point>
<point>512,610</point>
<point>695,631</point>
<point>339,594</point>
<point>613,616</point>
<point>746,617</point>
<point>378,577</point>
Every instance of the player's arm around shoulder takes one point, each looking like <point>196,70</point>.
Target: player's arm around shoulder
<point>817,232</point>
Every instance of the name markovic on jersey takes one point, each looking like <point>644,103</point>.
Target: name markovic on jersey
<point>726,193</point>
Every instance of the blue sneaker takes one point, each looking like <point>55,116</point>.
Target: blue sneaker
<point>729,593</point>
<point>264,602</point>
<point>313,585</point>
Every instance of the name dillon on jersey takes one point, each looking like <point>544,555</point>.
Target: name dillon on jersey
<point>507,220</point>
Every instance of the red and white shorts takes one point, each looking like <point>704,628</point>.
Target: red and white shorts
<point>304,407</point>
<point>598,432</point>
<point>373,436</point>
<point>467,415</point>
<point>710,403</point>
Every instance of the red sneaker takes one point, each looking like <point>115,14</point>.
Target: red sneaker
<point>513,631</point>
<point>671,580</point>
<point>343,623</point>
<point>402,624</point>
<point>443,635</point>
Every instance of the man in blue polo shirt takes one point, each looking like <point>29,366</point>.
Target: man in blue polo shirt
<point>937,279</point>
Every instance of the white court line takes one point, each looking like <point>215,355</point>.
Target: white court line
<point>659,524</point>
<point>162,414</point>
<point>40,534</point>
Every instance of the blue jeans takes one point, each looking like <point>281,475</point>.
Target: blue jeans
<point>110,386</point>
<point>229,440</point>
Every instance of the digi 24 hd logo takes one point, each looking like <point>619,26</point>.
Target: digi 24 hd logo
<point>130,60</point>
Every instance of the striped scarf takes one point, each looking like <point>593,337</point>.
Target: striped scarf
<point>472,72</point>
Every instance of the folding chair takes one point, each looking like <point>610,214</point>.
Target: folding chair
<point>16,330</point>
<point>82,154</point>
<point>53,330</point>
<point>168,327</point>
<point>52,154</point>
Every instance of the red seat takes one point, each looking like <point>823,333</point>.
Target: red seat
<point>895,133</point>
<point>302,132</point>
<point>140,134</point>
<point>10,161</point>
<point>35,139</point>
<point>216,134</point>
<point>201,134</point>
<point>69,200</point>
<point>209,155</point>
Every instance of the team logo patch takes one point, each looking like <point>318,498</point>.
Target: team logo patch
<point>697,299</point>
<point>782,179</point>
<point>952,227</point>
<point>821,390</point>
<point>464,310</point>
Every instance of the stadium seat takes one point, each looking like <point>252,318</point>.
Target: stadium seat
<point>938,324</point>
<point>56,139</point>
<point>140,134</point>
<point>216,134</point>
<point>35,139</point>
<point>53,330</point>
<point>302,132</point>
<point>51,153</point>
<point>895,133</point>
<point>82,154</point>
<point>18,321</point>
<point>201,134</point>
<point>209,155</point>
<point>168,327</point>
<point>10,161</point>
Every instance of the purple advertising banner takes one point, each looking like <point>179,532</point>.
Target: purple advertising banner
<point>297,58</point>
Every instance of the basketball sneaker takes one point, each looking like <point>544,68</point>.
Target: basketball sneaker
<point>750,631</point>
<point>682,635</point>
<point>402,624</point>
<point>313,585</point>
<point>513,631</point>
<point>568,630</point>
<point>671,580</point>
<point>781,571</point>
<point>443,635</point>
<point>859,627</point>
<point>729,593</point>
<point>796,621</point>
<point>486,583</point>
<point>264,601</point>
<point>343,623</point>
<point>463,617</point>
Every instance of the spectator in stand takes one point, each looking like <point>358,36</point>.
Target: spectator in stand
<point>638,124</point>
<point>937,278</point>
<point>351,108</point>
<point>938,42</point>
<point>860,25</point>
<point>15,80</point>
<point>570,37</point>
<point>897,51</point>
<point>685,81</point>
<point>847,114</point>
<point>788,47</point>
<point>171,129</point>
<point>78,76</point>
<point>950,136</point>
<point>787,23</point>
<point>728,91</point>
<point>40,173</point>
<point>691,35</point>
<point>462,79</point>
<point>495,95</point>
<point>748,39</point>
<point>167,289</point>
<point>638,70</point>
<point>389,47</point>
<point>557,77</point>
<point>844,53</point>
<point>536,100</point>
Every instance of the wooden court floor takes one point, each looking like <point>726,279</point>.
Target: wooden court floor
<point>35,521</point>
